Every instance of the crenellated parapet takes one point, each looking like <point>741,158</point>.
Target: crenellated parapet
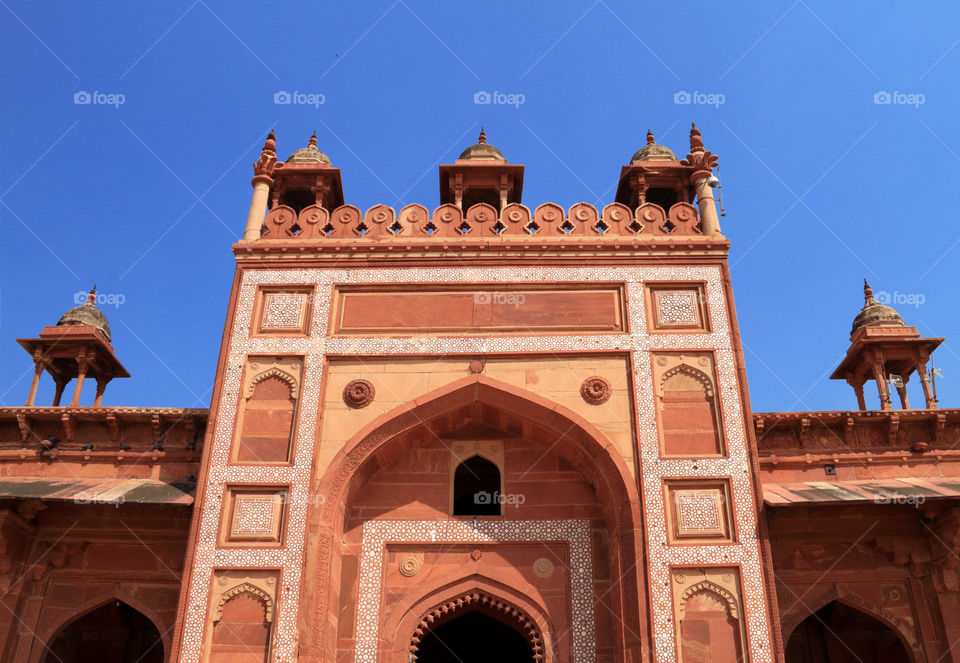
<point>383,223</point>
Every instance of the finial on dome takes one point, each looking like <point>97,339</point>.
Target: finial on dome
<point>696,142</point>
<point>867,294</point>
<point>313,139</point>
<point>92,295</point>
<point>649,137</point>
<point>482,140</point>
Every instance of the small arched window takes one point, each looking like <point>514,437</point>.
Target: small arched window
<point>476,488</point>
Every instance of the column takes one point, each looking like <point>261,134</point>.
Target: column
<point>925,381</point>
<point>258,207</point>
<point>858,390</point>
<point>902,391</point>
<point>881,380</point>
<point>101,387</point>
<point>37,372</point>
<point>709,222</point>
<point>61,383</point>
<point>82,365</point>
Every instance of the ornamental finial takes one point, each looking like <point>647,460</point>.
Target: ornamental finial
<point>482,139</point>
<point>696,142</point>
<point>649,137</point>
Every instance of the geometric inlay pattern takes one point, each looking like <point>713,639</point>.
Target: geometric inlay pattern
<point>254,515</point>
<point>677,308</point>
<point>378,533</point>
<point>283,311</point>
<point>699,512</point>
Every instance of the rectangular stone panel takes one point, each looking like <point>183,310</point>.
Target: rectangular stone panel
<point>499,308</point>
<point>676,307</point>
<point>283,311</point>
<point>685,395</point>
<point>254,515</point>
<point>699,511</point>
<point>271,388</point>
<point>709,615</point>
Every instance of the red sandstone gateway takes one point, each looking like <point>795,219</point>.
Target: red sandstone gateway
<point>480,433</point>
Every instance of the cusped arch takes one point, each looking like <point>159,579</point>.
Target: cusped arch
<point>727,597</point>
<point>250,590</point>
<point>50,633</point>
<point>483,602</point>
<point>688,370</point>
<point>506,591</point>
<point>270,373</point>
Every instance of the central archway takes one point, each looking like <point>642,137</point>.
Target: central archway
<point>476,628</point>
<point>474,638</point>
<point>479,401</point>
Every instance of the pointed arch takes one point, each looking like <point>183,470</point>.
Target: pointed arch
<point>544,421</point>
<point>807,608</point>
<point>892,632</point>
<point>46,638</point>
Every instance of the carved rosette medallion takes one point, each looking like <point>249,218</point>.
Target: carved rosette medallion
<point>409,565</point>
<point>596,390</point>
<point>358,394</point>
<point>543,568</point>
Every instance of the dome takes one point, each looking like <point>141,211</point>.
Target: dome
<point>482,150</point>
<point>653,151</point>
<point>86,314</point>
<point>875,314</point>
<point>309,154</point>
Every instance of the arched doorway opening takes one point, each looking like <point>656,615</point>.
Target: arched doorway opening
<point>113,633</point>
<point>837,633</point>
<point>476,488</point>
<point>474,638</point>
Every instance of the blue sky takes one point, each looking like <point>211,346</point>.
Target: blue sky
<point>144,193</point>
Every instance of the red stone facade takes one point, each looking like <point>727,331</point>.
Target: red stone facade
<point>480,433</point>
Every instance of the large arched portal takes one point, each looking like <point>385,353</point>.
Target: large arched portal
<point>564,533</point>
<point>837,633</point>
<point>474,638</point>
<point>113,633</point>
